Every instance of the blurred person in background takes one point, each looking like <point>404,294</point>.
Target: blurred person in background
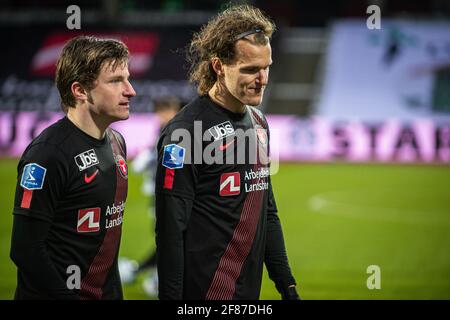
<point>145,163</point>
<point>73,180</point>
<point>217,224</point>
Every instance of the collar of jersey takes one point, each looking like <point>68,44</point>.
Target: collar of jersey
<point>85,136</point>
<point>231,114</point>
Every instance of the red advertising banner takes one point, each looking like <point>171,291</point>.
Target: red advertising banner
<point>142,46</point>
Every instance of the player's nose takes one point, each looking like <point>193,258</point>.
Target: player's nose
<point>129,90</point>
<point>264,77</point>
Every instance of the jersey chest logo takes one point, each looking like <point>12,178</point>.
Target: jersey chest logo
<point>261,133</point>
<point>122,166</point>
<point>86,159</point>
<point>89,178</point>
<point>221,130</point>
<point>230,184</point>
<point>88,220</point>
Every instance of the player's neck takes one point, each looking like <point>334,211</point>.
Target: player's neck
<point>221,96</point>
<point>86,122</point>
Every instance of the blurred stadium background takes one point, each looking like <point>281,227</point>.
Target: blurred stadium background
<point>360,120</point>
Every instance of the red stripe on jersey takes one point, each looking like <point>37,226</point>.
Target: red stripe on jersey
<point>26,198</point>
<point>258,119</point>
<point>93,282</point>
<point>223,285</point>
<point>168,178</point>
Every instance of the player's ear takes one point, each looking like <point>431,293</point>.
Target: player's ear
<point>78,91</point>
<point>217,66</point>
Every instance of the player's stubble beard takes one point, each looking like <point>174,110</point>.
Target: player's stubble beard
<point>90,100</point>
<point>223,91</point>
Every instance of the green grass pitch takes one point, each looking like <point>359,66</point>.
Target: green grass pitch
<point>337,219</point>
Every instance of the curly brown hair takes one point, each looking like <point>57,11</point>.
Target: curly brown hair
<point>82,59</point>
<point>217,39</point>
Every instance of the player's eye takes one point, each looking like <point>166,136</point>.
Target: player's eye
<point>250,70</point>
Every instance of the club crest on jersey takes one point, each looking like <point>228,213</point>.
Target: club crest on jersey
<point>261,133</point>
<point>122,166</point>
<point>88,220</point>
<point>33,176</point>
<point>221,130</point>
<point>230,184</point>
<point>173,156</point>
<point>86,159</point>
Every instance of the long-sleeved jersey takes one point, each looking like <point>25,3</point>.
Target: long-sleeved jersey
<point>69,204</point>
<point>217,221</point>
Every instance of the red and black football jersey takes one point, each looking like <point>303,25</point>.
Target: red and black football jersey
<point>79,185</point>
<point>214,205</point>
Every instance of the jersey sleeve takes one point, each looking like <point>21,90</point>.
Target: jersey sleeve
<point>172,215</point>
<point>176,177</point>
<point>42,175</point>
<point>29,253</point>
<point>176,173</point>
<point>275,257</point>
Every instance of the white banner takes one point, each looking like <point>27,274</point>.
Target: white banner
<point>401,71</point>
